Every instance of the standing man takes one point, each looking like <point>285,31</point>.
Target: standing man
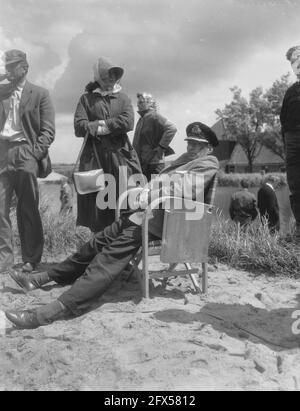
<point>267,203</point>
<point>290,126</point>
<point>153,134</point>
<point>26,131</point>
<point>242,207</point>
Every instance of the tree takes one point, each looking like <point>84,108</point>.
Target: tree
<point>254,122</point>
<point>245,120</point>
<point>272,137</point>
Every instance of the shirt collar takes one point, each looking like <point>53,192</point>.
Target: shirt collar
<point>270,185</point>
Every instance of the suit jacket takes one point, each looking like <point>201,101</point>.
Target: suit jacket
<point>188,168</point>
<point>37,119</point>
<point>268,205</point>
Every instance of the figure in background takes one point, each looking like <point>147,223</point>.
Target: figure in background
<point>267,203</point>
<point>27,130</point>
<point>106,114</point>
<point>242,207</point>
<point>92,270</point>
<point>152,137</point>
<point>290,126</point>
<point>66,197</point>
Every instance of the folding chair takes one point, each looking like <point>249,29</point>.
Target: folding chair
<point>185,240</point>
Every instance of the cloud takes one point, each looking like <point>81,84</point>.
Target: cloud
<point>178,48</point>
<point>186,52</point>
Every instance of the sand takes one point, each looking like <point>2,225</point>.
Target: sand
<point>238,337</point>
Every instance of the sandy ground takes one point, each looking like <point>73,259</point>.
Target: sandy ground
<point>239,337</point>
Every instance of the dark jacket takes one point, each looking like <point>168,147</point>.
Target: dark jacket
<point>152,130</point>
<point>290,110</point>
<point>268,206</point>
<point>114,149</point>
<point>242,207</point>
<point>37,119</point>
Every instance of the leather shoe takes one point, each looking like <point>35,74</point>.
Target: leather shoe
<point>22,280</point>
<point>28,267</point>
<point>25,320</point>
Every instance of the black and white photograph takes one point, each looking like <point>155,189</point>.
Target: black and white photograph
<point>149,198</point>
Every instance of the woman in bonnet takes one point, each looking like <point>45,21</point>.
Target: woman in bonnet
<point>106,114</point>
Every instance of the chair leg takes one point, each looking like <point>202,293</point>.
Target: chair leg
<point>204,278</point>
<point>193,277</point>
<point>145,271</point>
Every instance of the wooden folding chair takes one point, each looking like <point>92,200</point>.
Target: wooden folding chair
<point>185,240</point>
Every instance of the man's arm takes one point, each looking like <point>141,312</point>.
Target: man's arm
<point>169,131</point>
<point>47,127</point>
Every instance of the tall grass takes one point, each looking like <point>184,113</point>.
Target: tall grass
<point>254,179</point>
<point>60,232</point>
<point>253,249</point>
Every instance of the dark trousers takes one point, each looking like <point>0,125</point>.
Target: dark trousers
<point>18,170</point>
<point>97,264</point>
<point>292,143</point>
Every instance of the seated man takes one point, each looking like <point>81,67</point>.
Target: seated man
<point>242,207</point>
<point>100,261</point>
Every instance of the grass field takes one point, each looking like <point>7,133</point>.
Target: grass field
<point>254,249</point>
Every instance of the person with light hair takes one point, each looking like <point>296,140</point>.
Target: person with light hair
<point>290,126</point>
<point>152,137</point>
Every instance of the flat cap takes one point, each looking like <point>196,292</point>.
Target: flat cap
<point>14,56</point>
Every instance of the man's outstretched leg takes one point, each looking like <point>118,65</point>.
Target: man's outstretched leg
<point>117,245</point>
<point>67,272</point>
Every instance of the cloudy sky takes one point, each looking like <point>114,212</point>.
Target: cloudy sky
<point>187,53</point>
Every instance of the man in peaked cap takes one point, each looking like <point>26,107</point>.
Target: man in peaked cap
<point>26,132</point>
<point>99,262</point>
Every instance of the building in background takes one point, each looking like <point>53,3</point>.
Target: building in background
<point>233,159</point>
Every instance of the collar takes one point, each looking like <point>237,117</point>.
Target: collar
<point>117,88</point>
<point>270,185</point>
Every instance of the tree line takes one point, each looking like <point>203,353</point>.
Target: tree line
<point>254,122</point>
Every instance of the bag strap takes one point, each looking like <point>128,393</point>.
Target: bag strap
<point>96,154</point>
<point>81,151</point>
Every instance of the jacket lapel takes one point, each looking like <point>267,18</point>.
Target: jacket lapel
<point>26,94</point>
